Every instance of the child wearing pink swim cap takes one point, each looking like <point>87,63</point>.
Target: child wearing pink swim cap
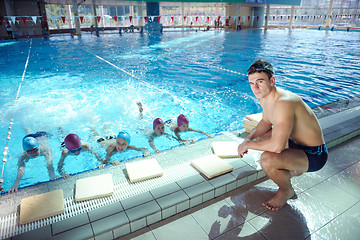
<point>183,126</point>
<point>74,146</point>
<point>159,130</point>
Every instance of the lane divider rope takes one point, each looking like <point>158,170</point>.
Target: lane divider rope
<point>223,69</point>
<point>132,75</point>
<point>6,149</point>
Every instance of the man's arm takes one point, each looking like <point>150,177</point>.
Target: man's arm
<point>262,128</point>
<point>282,127</point>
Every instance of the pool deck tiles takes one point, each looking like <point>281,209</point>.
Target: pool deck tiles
<point>327,209</point>
<point>131,214</point>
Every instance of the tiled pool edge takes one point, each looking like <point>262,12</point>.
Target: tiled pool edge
<point>122,217</point>
<point>131,214</point>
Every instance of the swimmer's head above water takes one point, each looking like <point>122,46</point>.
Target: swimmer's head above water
<point>122,141</point>
<point>261,66</point>
<point>183,123</point>
<point>158,126</point>
<point>31,146</point>
<point>73,143</point>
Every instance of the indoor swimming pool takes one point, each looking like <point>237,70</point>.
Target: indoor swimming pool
<point>80,84</point>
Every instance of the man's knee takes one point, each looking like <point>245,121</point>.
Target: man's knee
<point>267,160</point>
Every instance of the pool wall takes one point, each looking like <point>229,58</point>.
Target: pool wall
<point>135,206</point>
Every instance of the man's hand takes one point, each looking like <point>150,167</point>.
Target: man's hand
<point>242,149</point>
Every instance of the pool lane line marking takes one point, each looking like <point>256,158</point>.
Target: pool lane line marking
<point>132,75</point>
<point>22,78</point>
<point>223,69</point>
<point>6,148</point>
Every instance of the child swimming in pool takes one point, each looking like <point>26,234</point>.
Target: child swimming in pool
<point>119,143</point>
<point>74,146</point>
<point>182,125</point>
<point>34,145</point>
<point>158,129</point>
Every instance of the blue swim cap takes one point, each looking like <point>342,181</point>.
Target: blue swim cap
<point>29,143</point>
<point>124,135</point>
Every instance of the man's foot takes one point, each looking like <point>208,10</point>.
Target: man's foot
<point>279,200</point>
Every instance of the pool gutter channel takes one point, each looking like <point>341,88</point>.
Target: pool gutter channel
<point>137,205</point>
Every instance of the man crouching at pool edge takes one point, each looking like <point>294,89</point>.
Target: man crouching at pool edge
<point>289,134</point>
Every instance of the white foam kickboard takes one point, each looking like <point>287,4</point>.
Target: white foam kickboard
<point>94,187</point>
<point>41,206</point>
<point>250,123</point>
<point>254,117</point>
<point>211,166</point>
<point>143,170</point>
<point>227,149</point>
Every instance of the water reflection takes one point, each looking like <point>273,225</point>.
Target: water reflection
<point>291,223</point>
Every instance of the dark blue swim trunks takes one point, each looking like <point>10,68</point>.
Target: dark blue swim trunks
<point>39,134</point>
<point>317,155</point>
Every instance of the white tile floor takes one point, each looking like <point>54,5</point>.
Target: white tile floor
<point>327,207</point>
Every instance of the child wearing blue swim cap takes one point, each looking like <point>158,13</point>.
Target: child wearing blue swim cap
<point>34,145</point>
<point>118,143</point>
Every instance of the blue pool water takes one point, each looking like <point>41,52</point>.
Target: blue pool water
<point>90,82</point>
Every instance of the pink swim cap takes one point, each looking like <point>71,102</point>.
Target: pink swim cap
<point>72,141</point>
<point>182,119</point>
<point>157,122</point>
